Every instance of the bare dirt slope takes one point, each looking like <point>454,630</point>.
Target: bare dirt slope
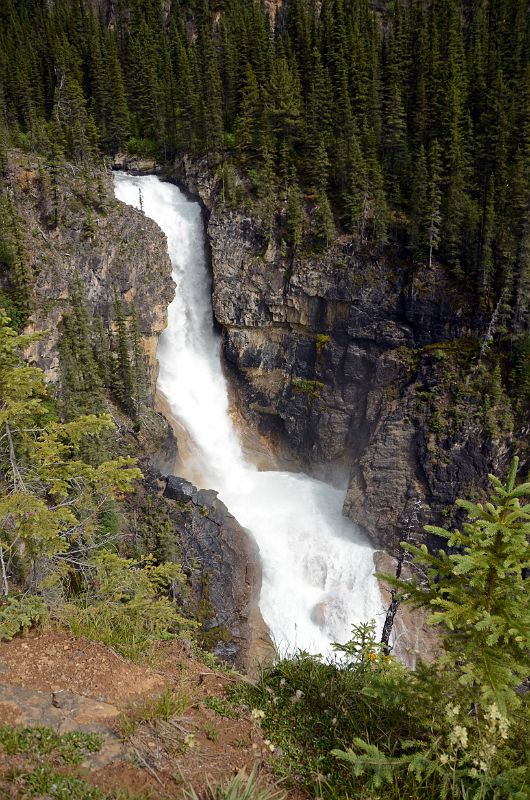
<point>68,684</point>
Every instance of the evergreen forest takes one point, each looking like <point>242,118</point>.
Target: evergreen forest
<point>405,121</point>
<point>400,128</point>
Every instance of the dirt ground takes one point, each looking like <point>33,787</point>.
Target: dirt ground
<point>56,680</point>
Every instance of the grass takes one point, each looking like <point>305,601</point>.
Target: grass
<point>241,787</point>
<point>44,758</point>
<point>66,748</point>
<point>222,706</point>
<point>154,710</point>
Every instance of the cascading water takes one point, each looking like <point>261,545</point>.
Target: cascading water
<point>317,568</point>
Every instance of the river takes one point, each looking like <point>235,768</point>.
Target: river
<point>317,567</point>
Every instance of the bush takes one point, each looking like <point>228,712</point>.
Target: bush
<point>19,614</point>
<point>127,606</point>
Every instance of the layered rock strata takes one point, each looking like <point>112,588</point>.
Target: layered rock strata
<point>354,358</point>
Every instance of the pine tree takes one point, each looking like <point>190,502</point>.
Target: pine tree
<point>434,200</point>
<point>478,592</point>
<point>324,227</point>
<point>419,231</point>
<point>124,378</point>
<point>51,495</point>
<point>138,363</point>
<point>294,214</point>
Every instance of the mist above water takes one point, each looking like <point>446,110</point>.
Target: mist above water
<point>317,567</point>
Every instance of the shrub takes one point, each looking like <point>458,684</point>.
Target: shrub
<point>19,614</point>
<point>127,606</point>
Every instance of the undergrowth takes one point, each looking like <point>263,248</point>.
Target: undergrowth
<point>240,787</point>
<point>66,748</point>
<point>318,715</point>
<point>41,764</point>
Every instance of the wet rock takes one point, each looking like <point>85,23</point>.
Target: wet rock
<point>222,562</point>
<point>180,489</point>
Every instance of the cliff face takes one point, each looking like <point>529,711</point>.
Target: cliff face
<point>115,249</point>
<point>352,357</point>
<point>225,575</point>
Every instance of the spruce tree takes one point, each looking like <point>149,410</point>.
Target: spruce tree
<point>124,377</point>
<point>478,591</point>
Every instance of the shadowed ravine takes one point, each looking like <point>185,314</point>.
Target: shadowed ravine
<point>317,567</point>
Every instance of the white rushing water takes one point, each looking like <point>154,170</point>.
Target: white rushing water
<point>317,568</point>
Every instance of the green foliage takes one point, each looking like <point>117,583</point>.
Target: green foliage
<point>44,757</point>
<point>45,781</point>
<point>154,710</point>
<point>478,591</point>
<point>222,706</point>
<point>362,649</point>
<point>308,387</point>
<point>241,787</point>
<point>14,266</point>
<point>49,493</point>
<point>67,748</point>
<point>321,340</point>
<point>126,605</point>
<point>19,614</point>
<point>347,93</point>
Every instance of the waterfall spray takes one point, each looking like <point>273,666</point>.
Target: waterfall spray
<point>317,567</point>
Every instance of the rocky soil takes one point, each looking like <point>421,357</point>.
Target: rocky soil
<point>57,681</point>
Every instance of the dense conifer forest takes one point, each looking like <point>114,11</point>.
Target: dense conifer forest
<point>402,126</point>
<point>405,121</point>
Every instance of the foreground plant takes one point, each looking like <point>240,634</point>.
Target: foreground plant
<point>241,787</point>
<point>370,728</point>
<point>50,496</point>
<point>478,592</point>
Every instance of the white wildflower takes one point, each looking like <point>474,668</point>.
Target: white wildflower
<point>458,736</point>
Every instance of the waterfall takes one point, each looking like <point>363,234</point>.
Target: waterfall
<point>317,567</point>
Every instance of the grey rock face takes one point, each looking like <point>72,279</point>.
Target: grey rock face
<point>180,489</point>
<point>329,354</point>
<point>223,565</point>
<point>114,248</point>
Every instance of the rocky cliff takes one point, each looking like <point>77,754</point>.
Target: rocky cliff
<point>75,226</point>
<point>225,575</point>
<point>116,251</point>
<point>355,357</point>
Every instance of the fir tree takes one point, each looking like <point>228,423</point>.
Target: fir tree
<point>478,592</point>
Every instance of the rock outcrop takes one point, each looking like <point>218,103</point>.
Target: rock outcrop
<point>115,249</point>
<point>355,357</point>
<point>223,565</point>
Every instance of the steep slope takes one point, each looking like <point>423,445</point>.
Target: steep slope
<point>355,358</point>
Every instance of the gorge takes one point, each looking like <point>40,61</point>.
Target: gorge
<point>317,568</point>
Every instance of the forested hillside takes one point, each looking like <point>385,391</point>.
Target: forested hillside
<point>405,122</point>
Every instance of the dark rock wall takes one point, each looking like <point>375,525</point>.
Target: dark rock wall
<point>334,357</point>
<point>223,565</point>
